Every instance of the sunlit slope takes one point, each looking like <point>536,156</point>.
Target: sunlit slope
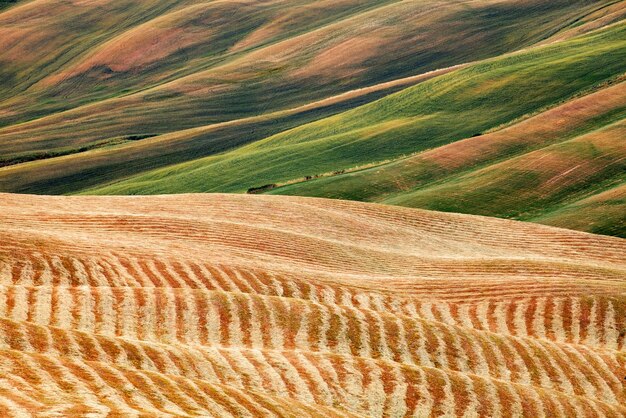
<point>448,108</point>
<point>41,36</point>
<point>235,305</point>
<point>223,61</point>
<point>171,39</point>
<point>127,51</point>
<point>78,170</point>
<point>525,171</point>
<point>226,43</point>
<point>575,117</point>
<point>602,213</point>
<point>529,185</point>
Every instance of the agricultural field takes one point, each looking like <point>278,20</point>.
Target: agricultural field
<point>313,208</point>
<point>192,96</point>
<point>530,170</point>
<point>235,305</point>
<point>524,135</point>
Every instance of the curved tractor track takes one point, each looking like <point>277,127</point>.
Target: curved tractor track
<point>230,305</point>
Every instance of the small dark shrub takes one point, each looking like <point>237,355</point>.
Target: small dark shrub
<point>258,190</point>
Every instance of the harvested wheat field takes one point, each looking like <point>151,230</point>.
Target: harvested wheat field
<point>235,305</point>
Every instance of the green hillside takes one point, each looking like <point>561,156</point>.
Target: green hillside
<point>535,170</point>
<point>436,112</point>
<point>465,103</point>
<point>602,213</point>
<point>510,109</point>
<point>119,108</point>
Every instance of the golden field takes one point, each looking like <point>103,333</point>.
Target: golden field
<point>235,305</point>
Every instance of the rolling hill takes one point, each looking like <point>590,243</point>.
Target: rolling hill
<point>508,108</point>
<point>358,208</point>
<point>562,104</point>
<point>529,170</point>
<point>106,107</point>
<point>235,305</point>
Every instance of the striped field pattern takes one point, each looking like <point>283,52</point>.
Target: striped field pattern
<point>254,306</point>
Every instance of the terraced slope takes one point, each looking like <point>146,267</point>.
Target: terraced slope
<point>263,306</point>
<point>154,82</point>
